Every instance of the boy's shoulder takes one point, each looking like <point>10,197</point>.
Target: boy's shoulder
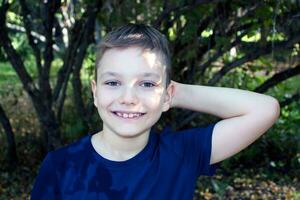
<point>186,137</point>
<point>169,132</point>
<point>74,150</point>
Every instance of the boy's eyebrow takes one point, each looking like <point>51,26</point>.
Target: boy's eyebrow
<point>146,74</point>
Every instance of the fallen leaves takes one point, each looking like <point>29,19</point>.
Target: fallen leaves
<point>249,187</point>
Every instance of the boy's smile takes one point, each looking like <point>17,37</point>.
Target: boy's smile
<point>130,92</point>
<point>128,115</point>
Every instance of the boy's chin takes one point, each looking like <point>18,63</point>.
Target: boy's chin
<point>131,130</point>
<point>132,134</point>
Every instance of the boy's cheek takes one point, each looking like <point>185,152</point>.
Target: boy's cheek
<point>153,101</point>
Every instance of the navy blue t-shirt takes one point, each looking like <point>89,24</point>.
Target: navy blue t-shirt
<point>167,168</point>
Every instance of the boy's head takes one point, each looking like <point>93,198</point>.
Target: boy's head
<point>132,88</point>
<point>137,35</point>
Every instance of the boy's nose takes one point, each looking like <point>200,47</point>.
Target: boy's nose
<point>128,97</point>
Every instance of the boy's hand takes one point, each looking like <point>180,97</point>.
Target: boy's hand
<point>174,100</point>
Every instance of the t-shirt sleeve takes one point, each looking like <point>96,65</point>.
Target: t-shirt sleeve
<point>45,186</point>
<point>203,136</point>
<point>195,146</point>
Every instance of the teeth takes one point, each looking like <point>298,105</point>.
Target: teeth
<point>130,115</point>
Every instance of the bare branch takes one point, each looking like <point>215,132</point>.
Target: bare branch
<point>10,137</point>
<point>76,81</point>
<point>14,58</point>
<point>51,8</point>
<point>27,19</point>
<point>65,71</point>
<point>36,36</point>
<point>81,37</point>
<point>277,78</point>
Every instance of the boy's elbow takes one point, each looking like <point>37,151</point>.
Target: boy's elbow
<point>269,110</point>
<point>276,109</point>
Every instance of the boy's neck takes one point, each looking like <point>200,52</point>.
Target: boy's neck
<point>117,148</point>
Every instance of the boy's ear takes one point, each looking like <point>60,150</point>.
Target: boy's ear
<point>168,97</point>
<point>94,89</point>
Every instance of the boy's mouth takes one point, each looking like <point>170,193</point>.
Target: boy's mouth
<point>128,115</point>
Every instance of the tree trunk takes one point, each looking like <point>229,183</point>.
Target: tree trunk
<point>11,144</point>
<point>49,126</point>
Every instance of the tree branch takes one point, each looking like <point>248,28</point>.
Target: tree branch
<point>277,78</point>
<point>50,9</point>
<point>76,81</point>
<point>14,57</point>
<point>11,153</point>
<point>65,71</point>
<point>36,36</point>
<point>257,52</point>
<point>75,53</point>
<point>29,29</point>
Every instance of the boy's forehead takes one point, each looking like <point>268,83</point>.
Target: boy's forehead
<point>142,74</point>
<point>118,61</point>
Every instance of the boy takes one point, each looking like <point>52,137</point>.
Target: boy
<point>127,160</point>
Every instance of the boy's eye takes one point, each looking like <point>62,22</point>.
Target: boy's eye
<point>112,83</point>
<point>116,83</point>
<point>148,84</point>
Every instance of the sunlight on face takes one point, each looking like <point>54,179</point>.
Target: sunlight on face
<point>155,60</point>
<point>151,58</point>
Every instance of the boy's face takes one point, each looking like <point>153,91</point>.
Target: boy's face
<point>130,92</point>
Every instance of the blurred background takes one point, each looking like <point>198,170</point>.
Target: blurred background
<point>47,56</point>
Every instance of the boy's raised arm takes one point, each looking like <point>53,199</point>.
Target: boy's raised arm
<point>246,115</point>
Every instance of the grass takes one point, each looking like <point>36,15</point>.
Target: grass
<point>8,77</point>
